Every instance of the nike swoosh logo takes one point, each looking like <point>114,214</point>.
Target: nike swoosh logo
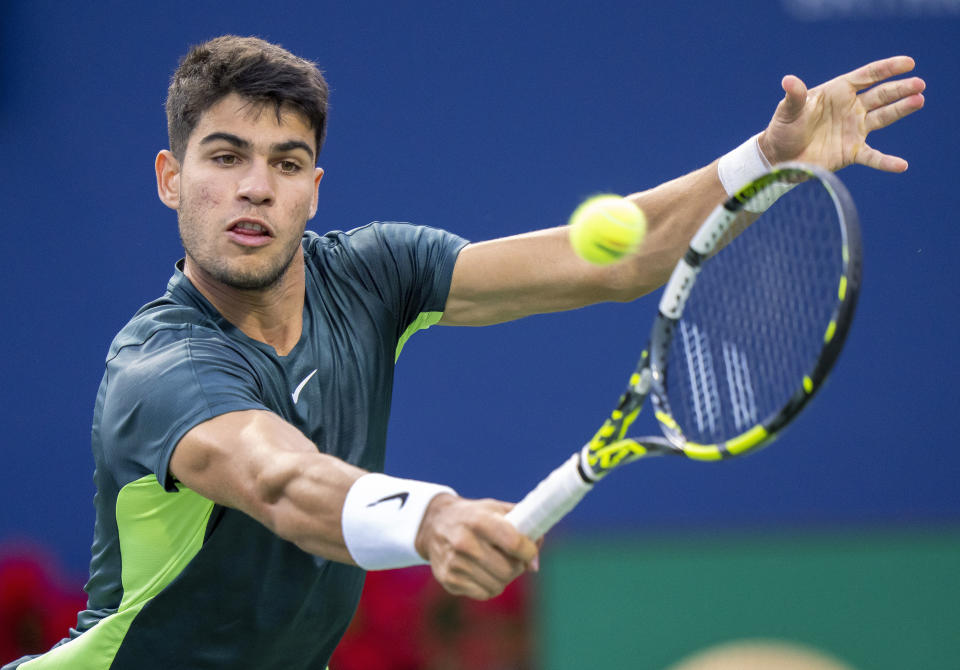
<point>296,392</point>
<point>402,497</point>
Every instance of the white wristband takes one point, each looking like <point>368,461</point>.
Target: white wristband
<point>741,166</point>
<point>381,517</point>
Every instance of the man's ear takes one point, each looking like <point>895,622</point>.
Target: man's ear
<point>168,179</point>
<point>317,176</point>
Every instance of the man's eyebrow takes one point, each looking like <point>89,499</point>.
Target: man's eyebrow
<point>290,145</point>
<point>238,142</point>
<point>241,143</point>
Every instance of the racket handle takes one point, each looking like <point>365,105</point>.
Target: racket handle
<point>550,501</point>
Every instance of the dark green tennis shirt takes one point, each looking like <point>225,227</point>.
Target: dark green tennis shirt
<point>177,581</point>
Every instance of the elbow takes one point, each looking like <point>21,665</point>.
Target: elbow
<point>271,481</point>
<point>629,280</point>
<point>293,501</point>
<point>640,275</point>
<point>272,506</point>
<point>269,488</point>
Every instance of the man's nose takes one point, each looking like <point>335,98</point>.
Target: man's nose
<point>256,186</point>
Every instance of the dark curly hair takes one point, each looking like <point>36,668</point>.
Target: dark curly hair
<point>253,68</point>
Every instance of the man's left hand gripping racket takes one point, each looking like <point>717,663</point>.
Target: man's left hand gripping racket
<point>730,364</point>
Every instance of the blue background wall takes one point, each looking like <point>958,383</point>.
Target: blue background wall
<point>488,119</point>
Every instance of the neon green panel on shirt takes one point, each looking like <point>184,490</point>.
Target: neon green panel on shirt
<point>160,532</point>
<point>422,322</point>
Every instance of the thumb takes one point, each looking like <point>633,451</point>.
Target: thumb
<point>500,506</point>
<point>796,97</point>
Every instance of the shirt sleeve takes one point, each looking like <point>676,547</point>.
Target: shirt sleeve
<point>410,267</point>
<point>158,390</point>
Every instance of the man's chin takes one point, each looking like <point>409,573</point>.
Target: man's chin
<point>252,281</point>
<point>245,274</point>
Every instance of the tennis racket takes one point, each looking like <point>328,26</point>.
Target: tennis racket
<point>750,323</point>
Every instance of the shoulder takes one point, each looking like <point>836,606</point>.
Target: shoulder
<point>162,321</point>
<point>403,266</point>
<point>384,251</point>
<point>379,236</point>
<point>171,364</point>
<point>164,335</point>
<point>168,370</point>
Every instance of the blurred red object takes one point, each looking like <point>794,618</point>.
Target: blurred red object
<point>37,603</point>
<point>406,621</point>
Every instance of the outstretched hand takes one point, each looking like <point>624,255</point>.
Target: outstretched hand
<point>828,125</point>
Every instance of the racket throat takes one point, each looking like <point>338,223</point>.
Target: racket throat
<point>585,471</point>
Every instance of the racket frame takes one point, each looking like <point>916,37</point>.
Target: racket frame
<point>610,447</point>
<point>765,189</point>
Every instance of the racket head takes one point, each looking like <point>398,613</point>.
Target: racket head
<point>750,333</point>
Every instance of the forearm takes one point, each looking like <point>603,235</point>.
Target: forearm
<point>387,522</point>
<point>535,273</point>
<point>257,463</point>
<point>304,502</point>
<point>513,277</point>
<point>674,211</point>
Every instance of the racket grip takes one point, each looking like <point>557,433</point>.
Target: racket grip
<point>550,501</point>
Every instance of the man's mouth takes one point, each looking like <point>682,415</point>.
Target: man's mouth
<point>248,232</point>
<point>249,228</point>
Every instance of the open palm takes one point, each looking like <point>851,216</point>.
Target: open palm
<point>828,125</point>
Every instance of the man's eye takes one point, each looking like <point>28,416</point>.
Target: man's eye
<point>226,159</point>
<point>289,167</point>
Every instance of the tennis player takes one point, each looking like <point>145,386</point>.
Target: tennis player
<point>240,427</point>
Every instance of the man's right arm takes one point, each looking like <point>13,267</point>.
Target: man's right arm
<point>254,461</point>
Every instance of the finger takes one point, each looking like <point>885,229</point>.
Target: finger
<point>475,571</point>
<point>880,161</point>
<point>501,567</point>
<point>534,565</point>
<point>498,506</point>
<point>490,572</point>
<point>512,543</point>
<point>796,97</point>
<point>476,586</point>
<point>875,72</point>
<point>890,92</point>
<point>884,116</point>
<point>505,536</point>
<point>511,552</point>
<point>481,584</point>
<point>499,548</point>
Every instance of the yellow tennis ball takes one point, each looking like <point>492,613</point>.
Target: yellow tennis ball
<point>605,228</point>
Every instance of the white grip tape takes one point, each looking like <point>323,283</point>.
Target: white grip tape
<point>678,289</point>
<point>741,166</point>
<point>381,517</point>
<point>545,505</point>
<point>764,198</point>
<point>712,230</point>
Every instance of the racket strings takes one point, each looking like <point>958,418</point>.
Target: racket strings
<point>754,324</point>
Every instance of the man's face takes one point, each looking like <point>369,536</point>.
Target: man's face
<point>247,187</point>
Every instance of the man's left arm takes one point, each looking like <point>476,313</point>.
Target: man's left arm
<point>509,278</point>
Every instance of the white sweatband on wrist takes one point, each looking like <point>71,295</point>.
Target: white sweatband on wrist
<point>381,517</point>
<point>741,166</point>
<point>744,164</point>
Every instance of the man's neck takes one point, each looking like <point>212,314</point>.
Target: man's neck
<point>273,315</point>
